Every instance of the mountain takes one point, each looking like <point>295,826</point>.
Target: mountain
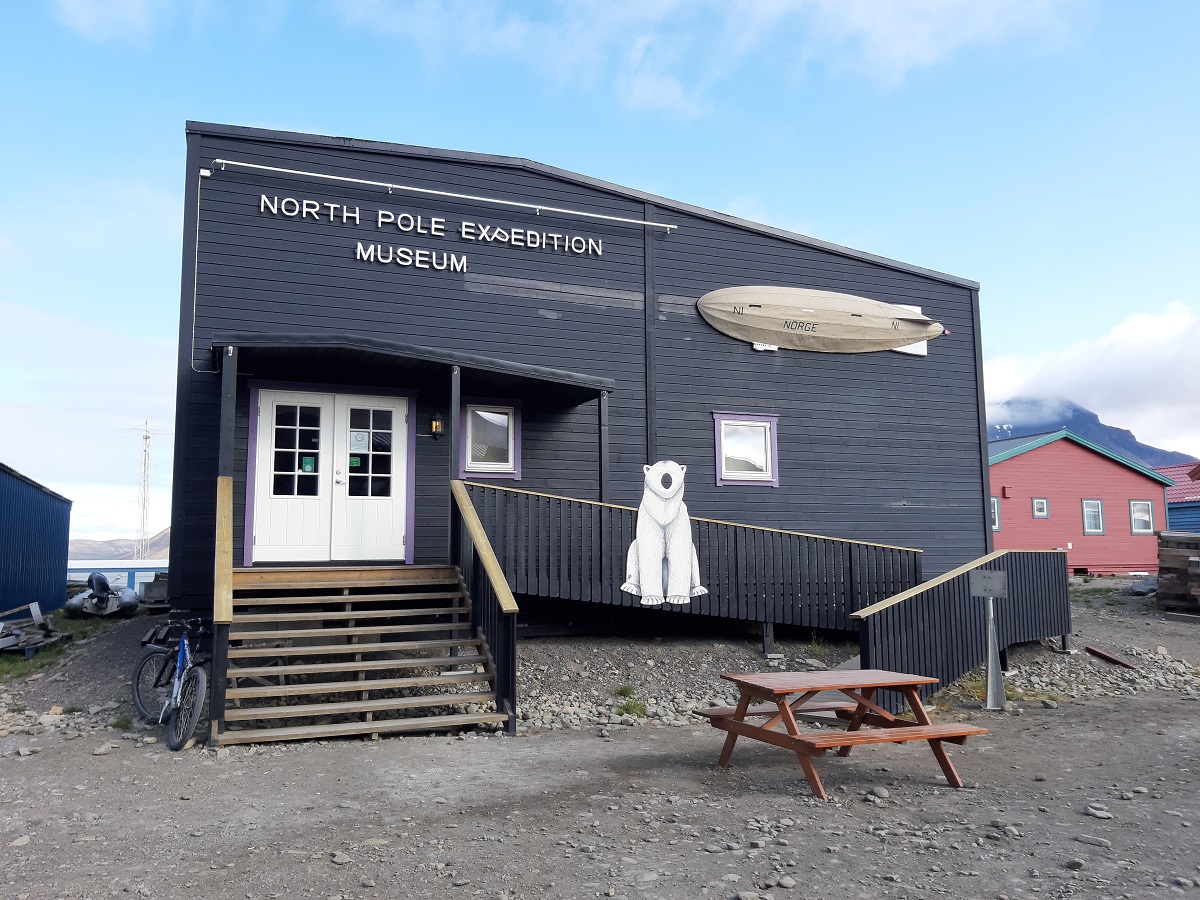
<point>1023,416</point>
<point>119,548</point>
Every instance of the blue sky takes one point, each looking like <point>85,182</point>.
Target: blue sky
<point>1045,149</point>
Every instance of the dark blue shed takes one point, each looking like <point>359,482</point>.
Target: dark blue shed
<point>35,525</point>
<point>1183,500</point>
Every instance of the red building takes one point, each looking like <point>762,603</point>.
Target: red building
<point>1061,491</point>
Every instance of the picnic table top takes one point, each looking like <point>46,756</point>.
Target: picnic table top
<point>783,683</point>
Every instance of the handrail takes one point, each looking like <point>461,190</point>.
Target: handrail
<point>487,556</point>
<point>567,549</point>
<point>934,582</point>
<point>823,537</point>
<point>943,633</point>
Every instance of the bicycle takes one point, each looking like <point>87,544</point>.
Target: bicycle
<point>169,681</point>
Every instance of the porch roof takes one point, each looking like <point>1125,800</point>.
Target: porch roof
<point>481,374</point>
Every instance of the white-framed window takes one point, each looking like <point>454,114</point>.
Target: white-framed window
<point>1041,507</point>
<point>1141,516</point>
<point>1093,517</point>
<point>995,514</point>
<point>491,439</point>
<point>747,448</point>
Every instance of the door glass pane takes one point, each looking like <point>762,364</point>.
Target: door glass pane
<point>296,427</point>
<point>745,449</point>
<point>370,446</point>
<point>489,438</point>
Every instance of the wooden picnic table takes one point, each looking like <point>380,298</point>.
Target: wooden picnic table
<point>791,696</point>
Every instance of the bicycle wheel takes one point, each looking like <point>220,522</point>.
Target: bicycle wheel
<point>186,715</point>
<point>151,686</point>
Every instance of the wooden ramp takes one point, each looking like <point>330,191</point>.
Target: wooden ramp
<point>329,652</point>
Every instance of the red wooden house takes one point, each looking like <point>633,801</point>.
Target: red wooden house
<point>1058,490</point>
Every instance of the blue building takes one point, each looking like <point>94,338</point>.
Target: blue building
<point>35,524</point>
<point>1183,500</point>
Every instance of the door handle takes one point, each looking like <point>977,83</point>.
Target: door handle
<point>339,481</point>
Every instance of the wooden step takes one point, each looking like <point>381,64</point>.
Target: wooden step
<point>366,665</point>
<point>353,631</point>
<point>338,649</point>
<point>253,713</point>
<point>339,599</point>
<point>281,578</point>
<point>344,729</point>
<point>259,618</point>
<point>344,687</point>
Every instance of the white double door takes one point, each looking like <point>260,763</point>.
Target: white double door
<point>330,477</point>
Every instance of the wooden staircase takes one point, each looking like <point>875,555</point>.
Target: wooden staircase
<point>330,652</point>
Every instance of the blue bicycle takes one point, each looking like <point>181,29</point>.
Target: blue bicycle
<point>169,681</point>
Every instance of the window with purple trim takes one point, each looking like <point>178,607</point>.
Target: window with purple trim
<point>747,449</point>
<point>491,440</point>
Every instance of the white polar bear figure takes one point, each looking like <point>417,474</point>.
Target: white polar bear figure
<point>662,559</point>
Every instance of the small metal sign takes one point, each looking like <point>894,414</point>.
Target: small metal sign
<point>986,583</point>
<point>308,464</point>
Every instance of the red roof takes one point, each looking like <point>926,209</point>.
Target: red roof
<point>1187,482</point>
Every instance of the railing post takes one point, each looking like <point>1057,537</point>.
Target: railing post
<point>223,551</point>
<point>604,464</point>
<point>452,435</point>
<point>510,674</point>
<point>865,660</point>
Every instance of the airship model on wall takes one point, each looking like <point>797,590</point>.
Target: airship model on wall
<point>821,321</point>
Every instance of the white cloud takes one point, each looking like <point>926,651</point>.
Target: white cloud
<point>102,512</point>
<point>890,39</point>
<point>104,20</point>
<point>74,401</point>
<point>1140,376</point>
<point>665,54</point>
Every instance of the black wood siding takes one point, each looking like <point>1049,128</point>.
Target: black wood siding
<point>879,447</point>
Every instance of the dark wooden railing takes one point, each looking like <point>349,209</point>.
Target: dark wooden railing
<point>493,609</point>
<point>560,547</point>
<point>938,629</point>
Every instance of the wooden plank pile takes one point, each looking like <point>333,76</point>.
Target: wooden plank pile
<point>1179,571</point>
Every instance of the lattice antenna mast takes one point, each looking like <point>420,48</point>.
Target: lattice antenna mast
<point>142,547</point>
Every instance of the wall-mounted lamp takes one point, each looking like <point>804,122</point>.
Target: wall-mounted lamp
<point>437,426</point>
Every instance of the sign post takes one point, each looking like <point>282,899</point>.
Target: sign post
<point>989,585</point>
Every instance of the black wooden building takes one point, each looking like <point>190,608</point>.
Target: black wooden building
<point>364,324</point>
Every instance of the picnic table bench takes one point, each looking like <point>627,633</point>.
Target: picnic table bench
<point>790,697</point>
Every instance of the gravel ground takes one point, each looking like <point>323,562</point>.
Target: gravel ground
<point>1087,787</point>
